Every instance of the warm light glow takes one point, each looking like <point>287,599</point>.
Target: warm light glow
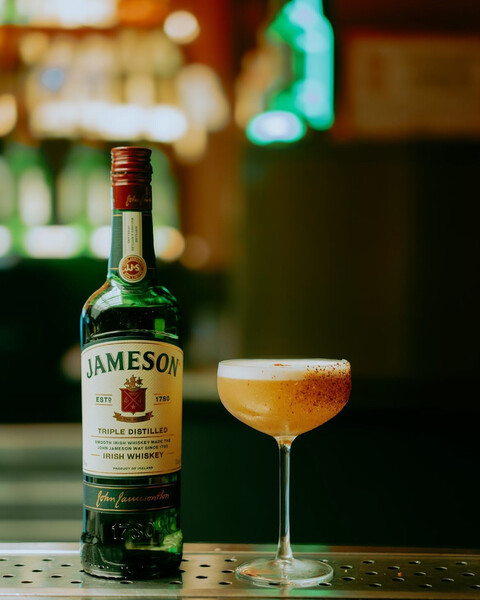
<point>160,123</point>
<point>147,51</point>
<point>169,243</point>
<point>67,13</point>
<point>140,89</point>
<point>87,12</point>
<point>33,46</point>
<point>100,241</point>
<point>165,123</point>
<point>111,121</point>
<point>202,97</point>
<point>120,122</point>
<point>54,119</point>
<point>182,27</point>
<point>138,13</point>
<point>8,113</point>
<point>196,253</point>
<point>127,86</point>
<point>5,240</point>
<point>192,145</point>
<point>90,116</point>
<point>70,363</point>
<point>53,241</point>
<point>275,126</point>
<point>167,57</point>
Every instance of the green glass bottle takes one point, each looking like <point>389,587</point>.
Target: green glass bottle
<point>132,365</point>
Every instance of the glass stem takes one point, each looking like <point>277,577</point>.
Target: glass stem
<point>284,550</point>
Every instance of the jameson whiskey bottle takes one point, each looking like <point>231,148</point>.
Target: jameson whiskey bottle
<point>132,366</point>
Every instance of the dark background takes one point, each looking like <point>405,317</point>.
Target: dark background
<point>363,249</point>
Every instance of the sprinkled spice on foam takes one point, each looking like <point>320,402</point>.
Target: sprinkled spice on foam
<point>323,385</point>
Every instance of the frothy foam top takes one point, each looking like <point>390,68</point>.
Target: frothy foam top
<point>280,368</point>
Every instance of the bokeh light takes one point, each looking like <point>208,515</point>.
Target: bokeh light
<point>165,124</point>
<point>53,241</point>
<point>169,243</point>
<point>8,113</point>
<point>197,252</point>
<point>182,27</point>
<point>100,241</point>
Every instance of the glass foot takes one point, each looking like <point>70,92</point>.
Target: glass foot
<point>293,572</point>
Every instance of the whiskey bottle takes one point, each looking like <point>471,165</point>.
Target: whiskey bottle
<point>132,365</point>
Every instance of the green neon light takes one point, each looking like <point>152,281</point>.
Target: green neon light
<point>275,126</point>
<point>302,27</point>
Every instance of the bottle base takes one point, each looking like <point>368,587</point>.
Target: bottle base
<point>291,572</point>
<point>135,566</point>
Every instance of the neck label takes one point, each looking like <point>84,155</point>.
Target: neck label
<point>132,266</point>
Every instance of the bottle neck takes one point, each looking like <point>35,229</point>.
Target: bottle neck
<point>132,255</point>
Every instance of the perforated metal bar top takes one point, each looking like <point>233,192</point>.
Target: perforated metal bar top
<point>208,571</point>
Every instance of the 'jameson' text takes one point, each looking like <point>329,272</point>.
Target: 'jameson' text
<point>132,360</point>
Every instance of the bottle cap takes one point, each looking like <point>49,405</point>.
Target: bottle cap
<point>131,175</point>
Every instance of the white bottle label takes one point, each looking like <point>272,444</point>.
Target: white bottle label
<point>132,232</point>
<point>132,267</point>
<point>132,408</point>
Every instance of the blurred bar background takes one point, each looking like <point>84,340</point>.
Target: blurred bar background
<point>315,193</point>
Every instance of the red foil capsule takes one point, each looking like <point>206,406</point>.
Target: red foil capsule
<point>131,177</point>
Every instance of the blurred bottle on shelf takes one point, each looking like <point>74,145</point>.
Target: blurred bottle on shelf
<point>82,197</point>
<point>40,218</point>
<point>29,195</point>
<point>7,208</point>
<point>88,13</point>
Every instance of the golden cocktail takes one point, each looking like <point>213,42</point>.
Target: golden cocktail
<point>284,398</point>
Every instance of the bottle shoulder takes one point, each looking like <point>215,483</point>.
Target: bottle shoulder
<point>112,295</point>
<point>118,311</point>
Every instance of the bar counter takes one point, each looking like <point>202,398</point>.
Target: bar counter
<point>390,487</point>
<point>52,570</point>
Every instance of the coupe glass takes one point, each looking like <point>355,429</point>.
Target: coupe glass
<point>284,398</point>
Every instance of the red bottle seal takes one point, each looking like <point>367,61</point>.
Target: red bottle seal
<point>131,177</point>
